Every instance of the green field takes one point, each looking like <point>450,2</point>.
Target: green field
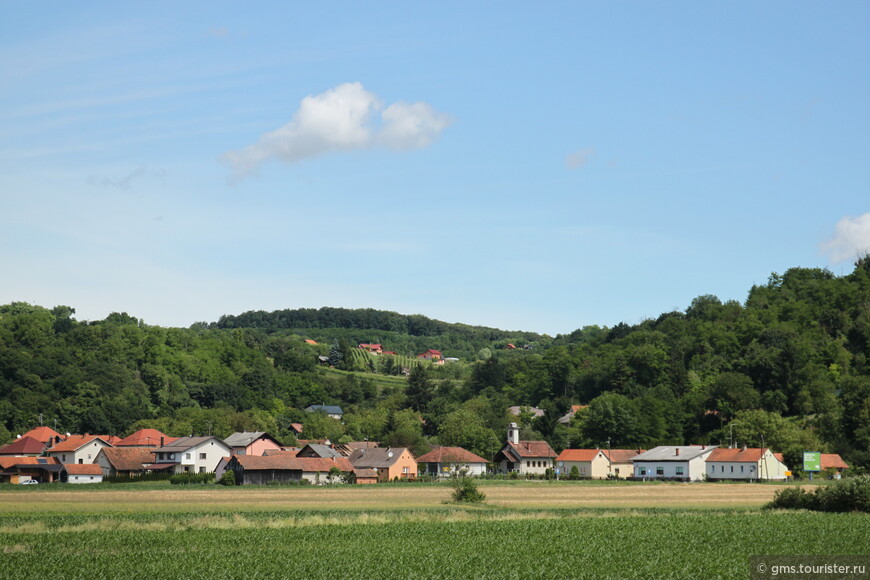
<point>353,532</point>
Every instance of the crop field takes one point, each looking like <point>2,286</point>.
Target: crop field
<point>528,530</point>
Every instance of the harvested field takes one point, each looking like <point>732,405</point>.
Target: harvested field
<point>385,497</point>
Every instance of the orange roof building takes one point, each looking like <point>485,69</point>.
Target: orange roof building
<point>833,461</point>
<point>145,438</point>
<point>746,463</point>
<point>78,449</point>
<point>445,461</point>
<point>44,434</point>
<point>24,446</point>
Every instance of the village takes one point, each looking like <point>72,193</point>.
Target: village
<point>43,455</point>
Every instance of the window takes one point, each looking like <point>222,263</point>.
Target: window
<point>660,470</point>
<point>63,458</point>
<point>751,468</point>
<point>617,471</point>
<point>202,455</point>
<point>406,470</point>
<point>642,471</point>
<point>187,455</point>
<point>732,469</point>
<point>723,469</point>
<point>679,470</point>
<point>202,469</point>
<point>712,469</point>
<point>741,469</point>
<point>81,461</point>
<point>89,455</point>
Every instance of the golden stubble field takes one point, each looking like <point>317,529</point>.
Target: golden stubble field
<point>532,495</point>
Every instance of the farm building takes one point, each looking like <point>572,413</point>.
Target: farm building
<point>745,464</point>
<point>124,460</point>
<point>81,473</point>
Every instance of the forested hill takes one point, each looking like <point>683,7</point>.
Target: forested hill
<point>402,333</point>
<point>789,367</point>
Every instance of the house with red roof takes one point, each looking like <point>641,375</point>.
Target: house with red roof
<point>833,461</point>
<point>445,461</point>
<point>128,460</point>
<point>524,457</point>
<point>622,461</point>
<point>590,463</point>
<point>373,348</point>
<point>745,463</point>
<point>81,473</point>
<point>263,469</point>
<point>21,469</point>
<point>79,449</point>
<point>23,446</point>
<point>45,434</point>
<point>430,354</point>
<point>145,438</point>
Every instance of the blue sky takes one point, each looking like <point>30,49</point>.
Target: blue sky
<point>527,166</point>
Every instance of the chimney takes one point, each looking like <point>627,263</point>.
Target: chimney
<point>703,447</point>
<point>744,447</point>
<point>678,452</point>
<point>161,442</point>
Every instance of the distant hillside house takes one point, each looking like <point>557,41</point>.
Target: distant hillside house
<point>566,418</point>
<point>524,457</point>
<point>309,341</point>
<point>373,348</point>
<point>333,411</point>
<point>516,410</point>
<point>431,354</point>
<point>684,462</point>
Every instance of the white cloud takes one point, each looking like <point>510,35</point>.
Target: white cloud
<point>345,118</point>
<point>579,158</point>
<point>851,238</point>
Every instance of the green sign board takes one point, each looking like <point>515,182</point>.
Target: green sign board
<point>812,461</point>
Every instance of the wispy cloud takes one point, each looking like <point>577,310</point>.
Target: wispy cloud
<point>851,238</point>
<point>580,158</point>
<point>344,118</point>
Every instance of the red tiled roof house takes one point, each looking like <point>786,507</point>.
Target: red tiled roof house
<point>524,457</point>
<point>745,464</point>
<point>446,461</point>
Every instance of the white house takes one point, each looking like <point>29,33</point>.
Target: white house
<point>745,464</point>
<point>82,473</point>
<point>446,461</point>
<point>80,449</point>
<point>191,455</point>
<point>686,462</point>
<point>524,457</point>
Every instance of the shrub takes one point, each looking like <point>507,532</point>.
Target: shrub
<point>574,475</point>
<point>192,478</point>
<point>848,495</point>
<point>228,478</point>
<point>465,490</point>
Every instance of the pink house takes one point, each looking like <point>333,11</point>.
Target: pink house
<point>251,443</point>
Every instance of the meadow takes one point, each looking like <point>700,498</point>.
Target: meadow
<point>527,530</point>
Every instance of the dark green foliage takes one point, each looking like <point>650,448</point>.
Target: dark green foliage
<point>228,478</point>
<point>465,490</point>
<point>192,479</point>
<point>847,495</point>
